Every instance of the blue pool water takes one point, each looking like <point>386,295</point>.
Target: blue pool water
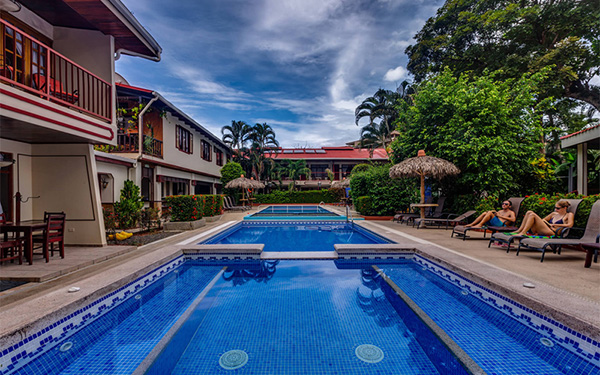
<point>306,236</point>
<point>306,317</point>
<point>275,212</point>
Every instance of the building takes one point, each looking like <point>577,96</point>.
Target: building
<point>338,160</point>
<point>57,99</point>
<point>583,140</point>
<point>174,156</point>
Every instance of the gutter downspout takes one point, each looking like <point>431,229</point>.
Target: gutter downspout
<point>141,122</point>
<point>131,53</point>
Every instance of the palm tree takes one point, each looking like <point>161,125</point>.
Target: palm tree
<point>263,139</point>
<point>374,136</point>
<point>236,135</point>
<point>294,169</point>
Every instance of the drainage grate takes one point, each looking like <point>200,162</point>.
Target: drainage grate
<point>369,353</point>
<point>233,359</point>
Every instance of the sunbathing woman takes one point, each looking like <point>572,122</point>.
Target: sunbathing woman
<point>549,226</point>
<point>495,218</point>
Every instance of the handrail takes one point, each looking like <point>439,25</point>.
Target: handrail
<point>33,66</point>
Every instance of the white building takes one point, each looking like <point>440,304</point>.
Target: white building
<point>57,99</point>
<point>175,155</point>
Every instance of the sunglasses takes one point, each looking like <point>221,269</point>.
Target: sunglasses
<point>557,208</point>
<point>505,204</point>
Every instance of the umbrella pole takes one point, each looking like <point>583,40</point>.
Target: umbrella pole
<point>422,195</point>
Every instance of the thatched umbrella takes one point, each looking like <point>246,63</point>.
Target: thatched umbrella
<point>341,184</point>
<point>422,166</point>
<point>244,183</point>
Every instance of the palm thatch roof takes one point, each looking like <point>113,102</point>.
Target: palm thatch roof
<point>244,183</point>
<point>341,184</point>
<point>424,166</point>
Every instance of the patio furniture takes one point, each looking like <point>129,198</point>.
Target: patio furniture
<point>439,207</point>
<point>11,250</point>
<point>461,230</point>
<point>26,228</point>
<point>55,88</point>
<point>54,233</point>
<point>589,236</point>
<point>508,238</point>
<point>591,250</point>
<point>227,201</point>
<point>447,222</point>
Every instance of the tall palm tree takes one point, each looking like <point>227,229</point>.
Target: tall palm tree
<point>294,169</point>
<point>263,139</point>
<point>374,136</point>
<point>236,135</point>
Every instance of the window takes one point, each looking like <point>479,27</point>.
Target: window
<point>206,151</point>
<point>184,140</point>
<point>219,157</point>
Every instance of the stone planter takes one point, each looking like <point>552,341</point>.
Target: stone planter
<point>211,219</point>
<point>184,225</point>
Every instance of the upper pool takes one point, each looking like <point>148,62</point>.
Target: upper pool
<point>294,212</point>
<point>296,236</point>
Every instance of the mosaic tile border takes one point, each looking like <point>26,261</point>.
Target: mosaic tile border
<point>568,338</point>
<point>220,256</point>
<point>18,355</point>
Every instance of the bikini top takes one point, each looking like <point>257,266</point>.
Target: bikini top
<point>559,221</point>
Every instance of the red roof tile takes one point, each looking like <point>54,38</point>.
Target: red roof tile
<point>579,132</point>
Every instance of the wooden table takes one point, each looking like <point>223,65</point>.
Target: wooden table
<point>27,228</point>
<point>243,200</point>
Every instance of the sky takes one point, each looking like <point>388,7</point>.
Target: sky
<point>301,66</point>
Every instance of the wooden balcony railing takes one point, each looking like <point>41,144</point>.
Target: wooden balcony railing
<point>129,143</point>
<point>27,63</point>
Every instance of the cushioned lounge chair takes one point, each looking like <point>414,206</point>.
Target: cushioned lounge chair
<point>508,238</point>
<point>461,230</point>
<point>543,244</point>
<point>450,221</point>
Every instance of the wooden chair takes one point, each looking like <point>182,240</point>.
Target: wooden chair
<point>53,233</point>
<point>11,250</point>
<point>55,88</point>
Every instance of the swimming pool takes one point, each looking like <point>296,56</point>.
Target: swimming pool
<point>302,317</point>
<point>294,213</point>
<point>296,236</point>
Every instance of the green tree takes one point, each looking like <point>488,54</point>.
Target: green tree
<point>374,136</point>
<point>128,208</point>
<point>491,130</point>
<point>294,169</point>
<point>236,135</point>
<point>231,171</point>
<point>515,36</point>
<point>263,139</point>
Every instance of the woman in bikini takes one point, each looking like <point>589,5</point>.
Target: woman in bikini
<point>495,218</point>
<point>549,226</point>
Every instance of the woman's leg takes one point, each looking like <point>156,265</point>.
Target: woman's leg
<point>535,225</point>
<point>525,220</point>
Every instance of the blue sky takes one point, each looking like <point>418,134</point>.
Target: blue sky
<point>302,66</point>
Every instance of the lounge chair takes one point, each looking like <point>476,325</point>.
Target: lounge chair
<point>449,221</point>
<point>508,239</point>
<point>591,250</point>
<point>230,207</point>
<point>542,244</point>
<point>461,230</point>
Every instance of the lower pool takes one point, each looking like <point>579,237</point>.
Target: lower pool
<point>296,236</point>
<point>300,317</point>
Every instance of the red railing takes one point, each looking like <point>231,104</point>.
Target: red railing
<point>130,143</point>
<point>27,63</point>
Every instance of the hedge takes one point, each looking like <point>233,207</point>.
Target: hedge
<point>364,205</point>
<point>193,207</point>
<point>308,196</point>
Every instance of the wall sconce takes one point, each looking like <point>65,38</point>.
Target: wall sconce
<point>5,162</point>
<point>104,182</point>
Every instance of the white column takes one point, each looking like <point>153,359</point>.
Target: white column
<point>582,176</point>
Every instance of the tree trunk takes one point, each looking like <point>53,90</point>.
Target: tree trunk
<point>584,92</point>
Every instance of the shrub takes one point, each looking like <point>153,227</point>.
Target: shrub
<point>543,204</point>
<point>192,207</point>
<point>364,205</point>
<point>149,218</point>
<point>387,195</point>
<point>362,167</point>
<point>308,196</point>
<point>128,208</point>
<point>110,219</point>
<point>230,171</point>
<point>487,204</point>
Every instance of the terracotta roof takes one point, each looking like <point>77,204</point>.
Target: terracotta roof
<point>327,153</point>
<point>579,132</point>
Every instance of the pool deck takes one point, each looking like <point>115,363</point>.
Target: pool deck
<point>561,282</point>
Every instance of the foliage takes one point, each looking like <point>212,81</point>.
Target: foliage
<point>149,218</point>
<point>230,171</point>
<point>129,207</point>
<point>362,167</point>
<point>487,204</point>
<point>364,205</point>
<point>485,127</point>
<point>293,169</point>
<point>388,195</point>
<point>110,219</point>
<point>308,196</point>
<point>236,135</point>
<point>193,207</point>
<point>515,36</point>
<point>543,204</point>
<point>459,204</point>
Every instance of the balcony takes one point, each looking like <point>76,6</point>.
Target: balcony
<point>32,66</point>
<point>128,143</point>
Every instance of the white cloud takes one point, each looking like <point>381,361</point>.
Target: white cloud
<point>395,74</point>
